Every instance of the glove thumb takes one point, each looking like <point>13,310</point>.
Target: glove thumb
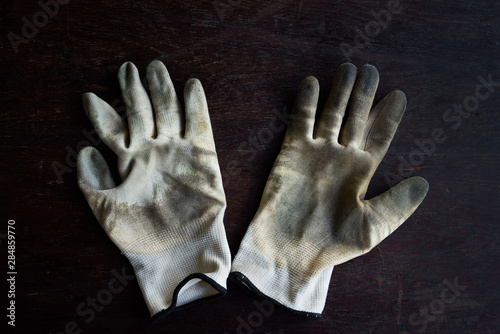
<point>393,207</point>
<point>93,171</point>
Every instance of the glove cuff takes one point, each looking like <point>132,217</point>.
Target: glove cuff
<point>305,295</point>
<point>184,274</point>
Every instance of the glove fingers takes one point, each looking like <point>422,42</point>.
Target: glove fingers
<point>110,127</point>
<point>360,104</point>
<point>304,110</point>
<point>93,171</point>
<point>331,118</point>
<point>393,207</point>
<point>383,122</point>
<point>139,112</point>
<point>169,115</point>
<point>198,127</point>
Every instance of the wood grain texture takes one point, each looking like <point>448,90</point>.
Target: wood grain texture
<point>250,57</point>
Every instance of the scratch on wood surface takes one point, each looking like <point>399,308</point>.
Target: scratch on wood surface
<point>380,253</point>
<point>400,297</point>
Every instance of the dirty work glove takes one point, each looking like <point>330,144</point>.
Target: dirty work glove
<point>166,214</point>
<point>313,214</point>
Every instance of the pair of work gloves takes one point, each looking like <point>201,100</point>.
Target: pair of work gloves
<point>166,216</point>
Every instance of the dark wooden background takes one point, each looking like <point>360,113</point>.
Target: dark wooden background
<point>250,57</point>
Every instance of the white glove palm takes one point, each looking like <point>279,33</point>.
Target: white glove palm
<point>166,215</point>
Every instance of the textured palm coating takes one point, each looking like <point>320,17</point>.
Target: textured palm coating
<point>313,214</point>
<point>171,181</point>
<point>171,189</point>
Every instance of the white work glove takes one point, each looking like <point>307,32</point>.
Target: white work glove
<point>313,214</point>
<point>166,214</point>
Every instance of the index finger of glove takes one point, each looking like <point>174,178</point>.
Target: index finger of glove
<point>110,127</point>
<point>383,122</point>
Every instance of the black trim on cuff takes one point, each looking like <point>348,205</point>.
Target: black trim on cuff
<point>242,280</point>
<point>158,317</point>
